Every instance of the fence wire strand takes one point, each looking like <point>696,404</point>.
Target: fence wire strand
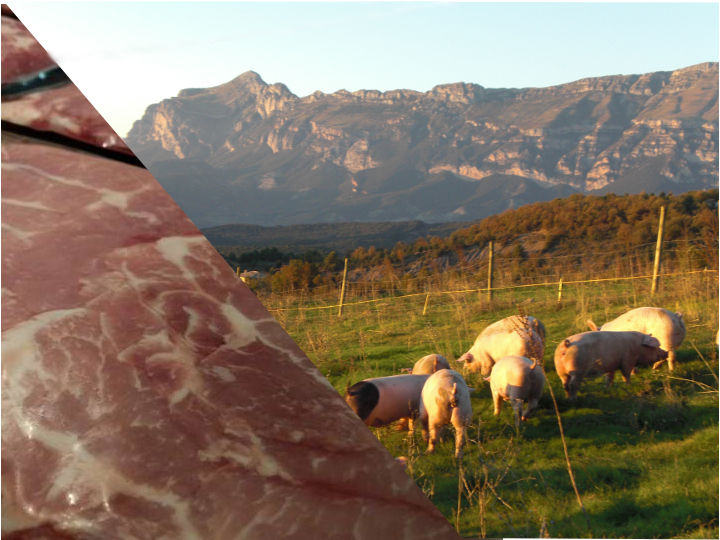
<point>486,289</point>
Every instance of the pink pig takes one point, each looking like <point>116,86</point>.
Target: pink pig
<point>595,353</point>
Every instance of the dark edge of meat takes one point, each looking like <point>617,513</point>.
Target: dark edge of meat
<point>69,142</point>
<point>7,12</point>
<point>51,77</point>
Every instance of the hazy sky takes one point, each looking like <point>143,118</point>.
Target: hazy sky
<point>126,55</point>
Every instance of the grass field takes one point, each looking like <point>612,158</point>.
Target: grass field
<point>644,455</point>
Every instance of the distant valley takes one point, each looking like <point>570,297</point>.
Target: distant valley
<point>323,237</point>
<point>247,152</point>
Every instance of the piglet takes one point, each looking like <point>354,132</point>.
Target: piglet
<point>516,379</point>
<point>445,400</point>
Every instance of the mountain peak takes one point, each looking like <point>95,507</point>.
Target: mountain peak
<point>249,77</point>
<point>248,81</point>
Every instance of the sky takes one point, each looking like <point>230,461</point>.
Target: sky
<point>127,55</point>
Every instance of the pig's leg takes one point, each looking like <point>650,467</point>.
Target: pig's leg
<point>433,437</point>
<point>565,380</point>
<point>459,440</point>
<point>517,408</point>
<point>497,400</point>
<point>670,360</point>
<point>530,406</point>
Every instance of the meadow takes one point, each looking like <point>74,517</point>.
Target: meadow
<point>643,455</point>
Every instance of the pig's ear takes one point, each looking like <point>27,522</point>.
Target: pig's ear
<point>467,357</point>
<point>650,341</point>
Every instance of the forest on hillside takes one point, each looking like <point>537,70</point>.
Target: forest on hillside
<point>581,230</point>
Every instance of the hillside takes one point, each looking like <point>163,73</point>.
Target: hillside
<point>597,232</point>
<point>250,152</point>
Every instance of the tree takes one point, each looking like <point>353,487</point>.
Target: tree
<point>331,263</point>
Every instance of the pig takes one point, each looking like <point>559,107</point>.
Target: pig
<point>594,353</point>
<point>519,321</point>
<point>382,400</point>
<point>445,400</point>
<point>430,364</point>
<point>516,379</point>
<point>666,326</point>
<point>514,335</point>
<point>427,365</point>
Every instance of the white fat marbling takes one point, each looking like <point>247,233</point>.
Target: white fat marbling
<point>23,236</point>
<point>176,248</point>
<point>243,330</point>
<point>32,205</point>
<point>250,454</point>
<point>20,351</point>
<point>224,374</point>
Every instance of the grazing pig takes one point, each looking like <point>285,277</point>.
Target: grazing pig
<point>445,400</point>
<point>382,400</point>
<point>516,379</point>
<point>666,326</point>
<point>512,336</point>
<point>594,353</point>
<point>429,364</point>
<point>519,321</point>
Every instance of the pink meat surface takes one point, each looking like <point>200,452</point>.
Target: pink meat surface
<point>146,393</point>
<point>62,110</point>
<point>65,111</point>
<point>21,53</point>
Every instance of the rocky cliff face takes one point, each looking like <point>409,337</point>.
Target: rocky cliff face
<point>275,158</point>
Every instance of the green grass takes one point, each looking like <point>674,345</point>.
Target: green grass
<point>644,455</point>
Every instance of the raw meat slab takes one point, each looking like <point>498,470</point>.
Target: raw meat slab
<point>146,393</point>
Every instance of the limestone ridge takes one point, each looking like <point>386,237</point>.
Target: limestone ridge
<point>455,152</point>
<point>198,120</point>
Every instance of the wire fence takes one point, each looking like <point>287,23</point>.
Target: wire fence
<point>419,274</point>
<point>378,278</point>
<point>558,285</point>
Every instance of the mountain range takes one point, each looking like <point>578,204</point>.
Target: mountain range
<point>255,153</point>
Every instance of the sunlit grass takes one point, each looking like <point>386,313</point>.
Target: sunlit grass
<point>644,455</point>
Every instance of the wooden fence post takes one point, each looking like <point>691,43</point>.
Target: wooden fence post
<point>342,289</point>
<point>490,270</point>
<point>658,251</point>
<point>559,291</point>
<point>427,299</point>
